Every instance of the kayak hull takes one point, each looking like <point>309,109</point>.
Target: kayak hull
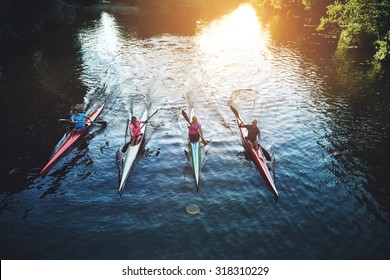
<point>195,153</point>
<point>131,156</point>
<point>69,142</point>
<point>194,148</point>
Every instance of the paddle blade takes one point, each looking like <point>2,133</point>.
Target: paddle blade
<point>187,156</point>
<point>100,122</point>
<point>125,147</point>
<point>235,112</point>
<point>185,116</point>
<point>266,154</point>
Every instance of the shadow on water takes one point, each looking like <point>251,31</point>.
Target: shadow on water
<point>358,105</point>
<point>39,80</point>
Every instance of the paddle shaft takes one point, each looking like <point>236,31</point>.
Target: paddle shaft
<point>126,145</point>
<point>146,121</point>
<point>69,121</point>
<point>127,129</point>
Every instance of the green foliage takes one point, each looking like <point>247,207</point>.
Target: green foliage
<point>358,22</point>
<point>350,35</point>
<point>382,48</point>
<point>331,22</point>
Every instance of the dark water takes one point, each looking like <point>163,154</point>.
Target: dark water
<point>324,114</point>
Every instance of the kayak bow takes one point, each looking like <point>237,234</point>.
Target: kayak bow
<point>257,155</point>
<point>70,140</point>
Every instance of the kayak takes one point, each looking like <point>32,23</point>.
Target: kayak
<point>70,140</point>
<point>195,150</point>
<point>131,155</point>
<point>257,155</point>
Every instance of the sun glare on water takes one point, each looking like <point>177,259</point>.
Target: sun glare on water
<point>108,34</point>
<point>239,31</point>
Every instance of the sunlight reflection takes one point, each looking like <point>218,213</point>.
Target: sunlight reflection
<point>238,32</point>
<point>108,34</point>
<point>101,44</point>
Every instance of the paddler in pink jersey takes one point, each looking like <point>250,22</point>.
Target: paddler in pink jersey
<point>195,130</point>
<point>135,130</point>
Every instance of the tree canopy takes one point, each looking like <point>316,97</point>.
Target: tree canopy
<point>361,23</point>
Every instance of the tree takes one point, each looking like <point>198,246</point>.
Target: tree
<point>361,23</point>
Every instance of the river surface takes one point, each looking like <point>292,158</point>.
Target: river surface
<point>323,113</point>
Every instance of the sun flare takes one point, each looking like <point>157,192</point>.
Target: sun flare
<point>239,30</point>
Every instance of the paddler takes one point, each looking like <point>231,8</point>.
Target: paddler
<point>253,134</point>
<point>195,130</point>
<point>78,119</point>
<point>135,130</point>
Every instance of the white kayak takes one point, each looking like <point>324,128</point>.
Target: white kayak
<point>131,155</point>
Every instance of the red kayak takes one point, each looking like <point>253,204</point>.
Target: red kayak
<point>70,140</point>
<point>257,155</point>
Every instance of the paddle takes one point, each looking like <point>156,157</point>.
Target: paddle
<point>188,120</point>
<point>98,122</point>
<point>265,152</point>
<point>235,112</point>
<point>126,143</point>
<point>124,149</point>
